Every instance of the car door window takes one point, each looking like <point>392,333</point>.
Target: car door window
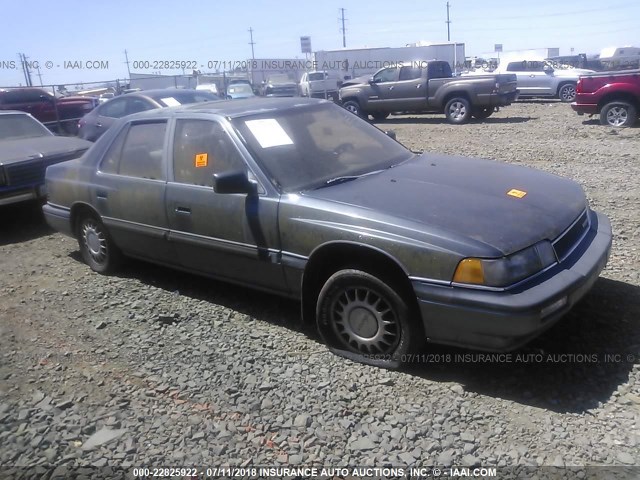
<point>135,105</point>
<point>200,149</point>
<point>115,108</point>
<point>517,66</point>
<point>386,75</point>
<point>410,73</point>
<point>142,151</point>
<point>111,160</point>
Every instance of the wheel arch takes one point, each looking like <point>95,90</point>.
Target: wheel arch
<point>456,93</point>
<point>563,83</point>
<point>619,97</point>
<point>77,211</point>
<point>330,257</point>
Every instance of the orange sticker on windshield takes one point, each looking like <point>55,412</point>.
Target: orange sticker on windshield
<point>201,160</point>
<point>516,193</point>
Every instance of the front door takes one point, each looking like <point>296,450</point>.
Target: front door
<point>230,236</point>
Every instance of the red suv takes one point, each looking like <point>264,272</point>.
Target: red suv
<point>43,106</point>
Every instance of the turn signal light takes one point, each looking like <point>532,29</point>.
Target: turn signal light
<point>469,270</point>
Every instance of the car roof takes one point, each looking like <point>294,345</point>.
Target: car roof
<point>234,108</point>
<point>13,112</point>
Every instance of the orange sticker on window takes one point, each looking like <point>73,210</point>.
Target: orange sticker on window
<point>201,160</point>
<point>516,193</point>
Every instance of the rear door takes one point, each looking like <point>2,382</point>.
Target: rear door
<point>532,78</point>
<point>130,190</point>
<point>117,108</point>
<point>229,236</point>
<point>409,93</point>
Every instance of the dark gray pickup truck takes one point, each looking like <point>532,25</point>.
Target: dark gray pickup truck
<point>428,87</point>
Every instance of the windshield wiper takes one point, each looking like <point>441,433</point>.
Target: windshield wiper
<point>348,178</point>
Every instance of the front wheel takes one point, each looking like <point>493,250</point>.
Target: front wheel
<point>96,246</point>
<point>362,318</point>
<point>380,116</point>
<point>457,110</point>
<point>354,107</point>
<point>567,93</point>
<point>618,114</point>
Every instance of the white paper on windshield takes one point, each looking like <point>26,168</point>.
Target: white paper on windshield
<point>269,133</point>
<point>170,102</point>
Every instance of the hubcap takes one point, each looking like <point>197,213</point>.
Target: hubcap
<point>568,93</point>
<point>457,110</point>
<point>94,241</point>
<point>365,321</point>
<point>353,109</point>
<point>617,116</point>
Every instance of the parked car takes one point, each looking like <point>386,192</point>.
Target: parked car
<point>538,78</point>
<point>385,248</point>
<point>99,120</point>
<point>27,147</point>
<point>208,87</point>
<point>239,90</point>
<point>427,88</point>
<point>615,96</point>
<point>319,85</point>
<point>279,85</point>
<point>60,114</point>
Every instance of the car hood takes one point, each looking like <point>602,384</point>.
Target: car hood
<point>363,80</point>
<point>572,72</point>
<point>468,198</point>
<point>18,150</point>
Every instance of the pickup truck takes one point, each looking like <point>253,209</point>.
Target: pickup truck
<point>319,85</point>
<point>544,78</point>
<point>615,96</point>
<point>59,114</point>
<point>427,87</point>
<point>279,85</point>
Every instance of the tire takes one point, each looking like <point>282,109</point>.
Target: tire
<point>354,107</point>
<point>567,92</point>
<point>379,116</point>
<point>364,319</point>
<point>482,113</point>
<point>618,114</point>
<point>96,246</point>
<point>457,110</point>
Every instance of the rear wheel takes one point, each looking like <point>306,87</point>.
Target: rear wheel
<point>457,110</point>
<point>567,92</point>
<point>363,318</point>
<point>96,246</point>
<point>618,114</point>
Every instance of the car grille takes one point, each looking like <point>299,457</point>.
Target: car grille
<point>566,243</point>
<point>32,172</point>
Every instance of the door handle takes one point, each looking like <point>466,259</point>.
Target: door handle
<point>419,85</point>
<point>102,195</point>
<point>391,87</point>
<point>183,210</point>
<point>98,124</point>
<point>532,75</point>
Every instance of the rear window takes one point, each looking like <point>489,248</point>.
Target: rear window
<point>439,70</point>
<point>180,97</point>
<point>18,126</point>
<point>316,76</point>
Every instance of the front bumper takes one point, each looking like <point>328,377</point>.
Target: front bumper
<point>21,194</point>
<point>505,320</point>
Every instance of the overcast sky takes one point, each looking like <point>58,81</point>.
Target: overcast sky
<point>217,31</point>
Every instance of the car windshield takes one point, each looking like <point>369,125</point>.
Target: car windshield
<point>18,126</point>
<point>176,97</point>
<point>239,88</point>
<point>306,147</point>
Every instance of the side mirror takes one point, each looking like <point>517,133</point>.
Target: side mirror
<point>233,182</point>
<point>372,80</point>
<point>390,134</point>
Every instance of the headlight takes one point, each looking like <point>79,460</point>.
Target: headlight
<point>505,271</point>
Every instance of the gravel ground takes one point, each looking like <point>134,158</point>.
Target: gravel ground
<point>156,368</point>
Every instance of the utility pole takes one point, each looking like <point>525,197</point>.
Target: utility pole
<point>448,24</point>
<point>252,43</point>
<point>344,31</point>
<point>126,56</point>
<point>40,75</point>
<point>27,72</point>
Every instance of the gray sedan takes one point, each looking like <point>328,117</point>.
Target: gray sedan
<point>385,248</point>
